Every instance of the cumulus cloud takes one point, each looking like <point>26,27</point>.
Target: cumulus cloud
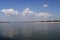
<point>27,11</point>
<point>27,14</point>
<point>45,5</point>
<point>9,11</point>
<point>42,14</point>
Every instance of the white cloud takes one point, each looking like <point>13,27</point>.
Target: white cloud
<point>27,11</point>
<point>45,5</point>
<point>9,11</point>
<point>27,14</point>
<point>43,15</point>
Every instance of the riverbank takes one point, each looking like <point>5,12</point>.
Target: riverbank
<point>46,22</point>
<point>30,22</point>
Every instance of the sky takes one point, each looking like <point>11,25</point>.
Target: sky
<point>29,10</point>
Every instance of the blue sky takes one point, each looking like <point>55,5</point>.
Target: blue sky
<point>29,10</point>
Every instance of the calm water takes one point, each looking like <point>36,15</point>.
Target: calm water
<point>30,31</point>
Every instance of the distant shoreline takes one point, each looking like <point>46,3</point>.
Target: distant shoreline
<point>46,22</point>
<point>31,22</point>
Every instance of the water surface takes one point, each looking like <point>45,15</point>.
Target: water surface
<point>30,31</point>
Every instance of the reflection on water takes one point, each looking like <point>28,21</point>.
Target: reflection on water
<point>30,31</point>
